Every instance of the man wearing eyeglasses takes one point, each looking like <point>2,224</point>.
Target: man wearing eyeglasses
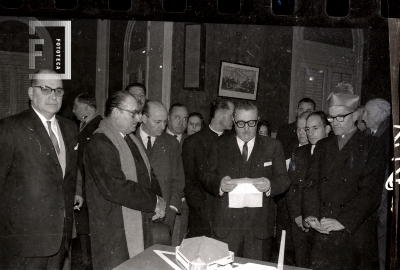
<point>342,192</point>
<point>164,154</point>
<point>123,194</point>
<point>248,231</point>
<point>38,164</point>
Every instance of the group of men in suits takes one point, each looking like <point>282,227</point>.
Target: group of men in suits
<point>138,179</point>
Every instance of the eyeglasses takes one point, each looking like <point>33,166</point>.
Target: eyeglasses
<point>339,118</point>
<point>241,124</point>
<point>133,112</point>
<point>59,92</point>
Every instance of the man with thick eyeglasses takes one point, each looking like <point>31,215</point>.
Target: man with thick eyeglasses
<point>248,231</point>
<point>342,192</point>
<point>38,164</point>
<point>123,193</point>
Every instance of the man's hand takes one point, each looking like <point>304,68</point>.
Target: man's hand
<point>78,202</point>
<point>315,224</point>
<point>227,185</point>
<point>160,208</point>
<point>264,185</point>
<point>299,222</point>
<point>331,224</point>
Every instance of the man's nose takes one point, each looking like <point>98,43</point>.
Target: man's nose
<point>52,95</point>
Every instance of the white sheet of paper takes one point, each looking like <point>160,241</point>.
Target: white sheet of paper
<point>245,195</point>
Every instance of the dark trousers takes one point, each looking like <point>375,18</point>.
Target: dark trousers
<point>242,241</point>
<point>302,245</point>
<point>35,263</point>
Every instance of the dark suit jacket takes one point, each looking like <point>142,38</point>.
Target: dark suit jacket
<point>165,159</point>
<point>225,160</point>
<point>201,203</point>
<point>107,191</point>
<point>184,136</point>
<point>297,174</point>
<point>287,133</point>
<point>346,185</point>
<point>34,195</point>
<point>81,217</point>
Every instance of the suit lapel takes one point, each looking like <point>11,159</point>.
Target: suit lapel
<point>67,139</point>
<point>40,131</point>
<point>346,154</point>
<point>333,155</point>
<point>156,150</point>
<point>233,151</point>
<point>257,153</point>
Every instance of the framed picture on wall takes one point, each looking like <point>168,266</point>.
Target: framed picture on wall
<point>238,81</point>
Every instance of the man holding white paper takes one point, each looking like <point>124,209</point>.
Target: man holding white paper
<point>236,161</point>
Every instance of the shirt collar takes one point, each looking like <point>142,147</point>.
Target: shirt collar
<point>218,132</point>
<point>250,143</point>
<point>44,119</point>
<point>89,118</point>
<point>178,136</point>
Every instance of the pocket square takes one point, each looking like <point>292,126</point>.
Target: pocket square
<point>76,147</point>
<point>268,163</point>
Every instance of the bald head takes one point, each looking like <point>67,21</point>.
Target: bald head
<point>154,118</point>
<point>376,111</point>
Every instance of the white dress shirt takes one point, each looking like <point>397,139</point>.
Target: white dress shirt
<point>145,138</point>
<point>250,145</point>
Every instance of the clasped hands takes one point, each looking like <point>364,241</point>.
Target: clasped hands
<point>160,208</point>
<point>325,226</point>
<point>227,185</point>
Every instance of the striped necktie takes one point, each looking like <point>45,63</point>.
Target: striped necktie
<point>53,138</point>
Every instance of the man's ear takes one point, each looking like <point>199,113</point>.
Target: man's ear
<point>355,116</point>
<point>30,92</point>
<point>327,129</point>
<point>144,118</point>
<point>116,113</point>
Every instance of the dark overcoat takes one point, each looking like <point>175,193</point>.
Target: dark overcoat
<point>81,217</point>
<point>345,185</point>
<point>107,190</point>
<point>287,133</point>
<point>266,160</point>
<point>34,195</point>
<point>201,203</point>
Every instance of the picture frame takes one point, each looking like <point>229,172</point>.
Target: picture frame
<point>238,81</point>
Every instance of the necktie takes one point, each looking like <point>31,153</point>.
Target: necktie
<point>245,152</point>
<point>176,137</point>
<point>148,142</point>
<point>53,138</point>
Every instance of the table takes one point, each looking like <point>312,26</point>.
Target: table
<point>148,259</point>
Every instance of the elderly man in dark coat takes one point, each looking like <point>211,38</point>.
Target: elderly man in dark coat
<point>122,190</point>
<point>342,192</point>
<point>378,120</point>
